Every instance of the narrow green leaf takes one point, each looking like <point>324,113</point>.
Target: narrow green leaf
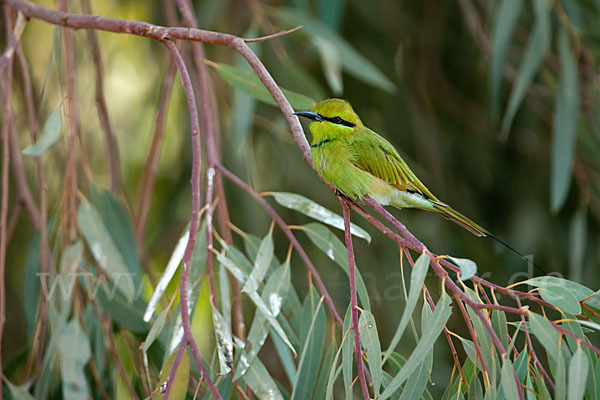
<point>499,325</point>
<point>560,375</point>
<point>353,62</point>
<point>267,312</point>
<point>308,207</point>
<point>331,12</point>
<point>417,382</point>
<point>261,383</point>
<point>103,249</point>
<point>577,241</point>
<point>560,297</point>
<point>578,371</point>
<point>326,367</point>
<point>511,391</point>
<point>249,83</point>
<point>18,392</point>
<point>541,385</point>
<point>545,332</point>
<point>347,354</point>
<point>75,352</point>
<point>534,53</point>
<point>521,365</point>
<point>566,115</point>
<point>507,16</point>
<point>285,356</point>
<point>261,264</point>
<point>370,342</point>
<point>50,133</point>
<point>334,371</point>
<point>330,60</point>
<point>467,267</point>
<point>180,382</point>
<point>333,247</point>
<point>117,221</point>
<point>155,330</point>
<point>578,290</point>
<point>416,282</point>
<point>432,331</point>
<point>310,359</point>
<point>274,292</point>
<point>121,310</point>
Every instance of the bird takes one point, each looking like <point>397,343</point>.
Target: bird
<point>359,162</point>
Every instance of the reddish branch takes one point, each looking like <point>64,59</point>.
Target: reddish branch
<point>6,126</point>
<point>148,178</point>
<point>194,222</point>
<point>353,300</point>
<point>161,33</point>
<point>290,235</point>
<point>112,147</point>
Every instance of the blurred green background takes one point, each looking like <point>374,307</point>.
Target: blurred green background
<point>418,73</point>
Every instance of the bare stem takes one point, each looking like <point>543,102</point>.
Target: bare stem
<point>6,126</point>
<point>290,235</point>
<point>353,300</point>
<point>194,222</point>
<point>112,147</point>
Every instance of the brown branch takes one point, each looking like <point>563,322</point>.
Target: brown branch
<point>112,147</point>
<point>18,172</point>
<point>6,126</point>
<point>353,300</point>
<point>531,348</point>
<point>209,118</point>
<point>273,36</point>
<point>13,40</point>
<point>146,187</point>
<point>161,33</point>
<point>194,222</point>
<point>112,345</point>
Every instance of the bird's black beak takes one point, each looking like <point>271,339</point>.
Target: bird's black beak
<point>310,115</point>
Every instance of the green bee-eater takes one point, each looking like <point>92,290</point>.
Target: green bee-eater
<point>359,163</point>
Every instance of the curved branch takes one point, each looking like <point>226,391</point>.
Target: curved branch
<point>194,222</point>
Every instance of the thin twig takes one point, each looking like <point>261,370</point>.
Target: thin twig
<point>531,348</point>
<point>6,126</point>
<point>353,300</point>
<point>275,35</point>
<point>112,147</point>
<point>13,40</point>
<point>116,359</point>
<point>290,235</point>
<point>146,187</point>
<point>161,33</point>
<point>194,222</point>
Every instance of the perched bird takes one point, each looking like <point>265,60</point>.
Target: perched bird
<point>359,163</point>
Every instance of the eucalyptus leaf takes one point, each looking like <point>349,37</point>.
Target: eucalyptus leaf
<point>50,133</point>
<point>467,267</point>
<point>308,207</point>
<point>578,372</point>
<point>566,115</point>
<point>431,333</point>
<point>249,83</point>
<point>537,46</point>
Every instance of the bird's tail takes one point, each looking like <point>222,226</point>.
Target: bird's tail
<point>449,213</point>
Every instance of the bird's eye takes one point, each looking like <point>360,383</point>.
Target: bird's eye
<point>337,120</point>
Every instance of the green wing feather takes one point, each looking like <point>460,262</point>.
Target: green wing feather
<point>374,154</point>
<point>377,156</point>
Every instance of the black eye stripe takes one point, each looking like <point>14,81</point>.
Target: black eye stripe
<point>338,120</point>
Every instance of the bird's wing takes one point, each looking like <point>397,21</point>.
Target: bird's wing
<point>377,156</point>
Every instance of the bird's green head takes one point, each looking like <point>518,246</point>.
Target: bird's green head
<point>331,117</point>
